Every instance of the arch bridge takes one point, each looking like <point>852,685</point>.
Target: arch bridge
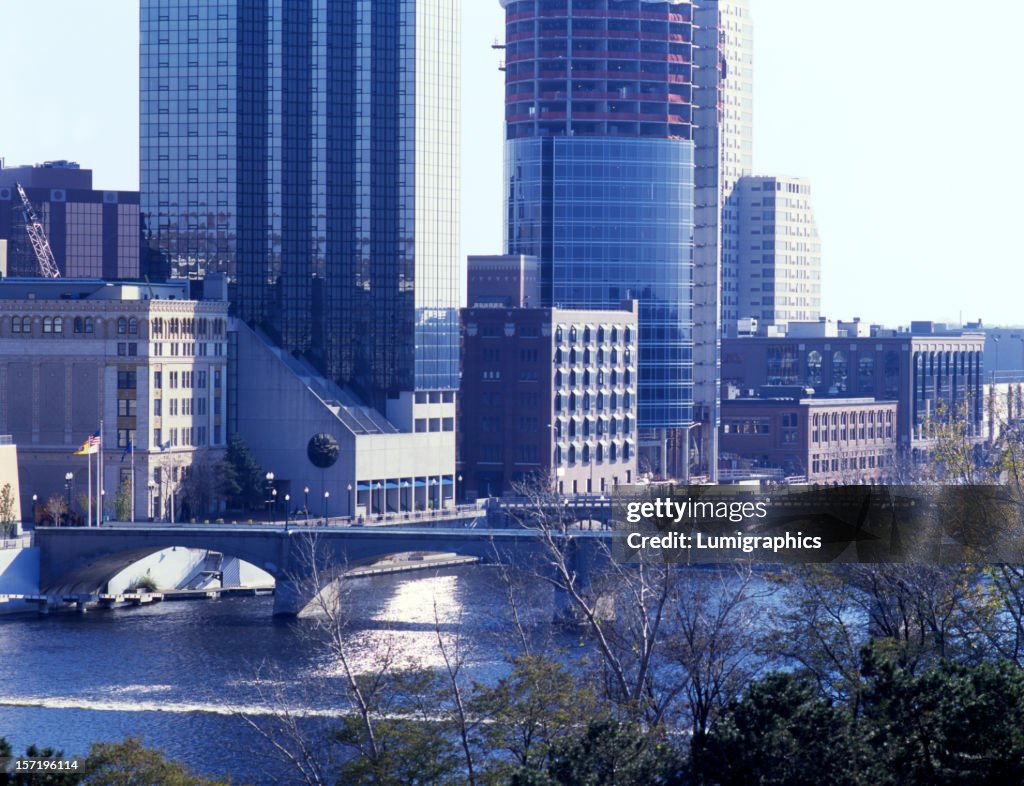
<point>79,561</point>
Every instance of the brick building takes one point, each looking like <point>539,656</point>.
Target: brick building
<point>817,440</point>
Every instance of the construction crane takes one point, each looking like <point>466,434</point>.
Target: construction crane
<point>37,236</point>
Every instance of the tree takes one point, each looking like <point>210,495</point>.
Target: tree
<point>56,508</point>
<point>952,724</point>
<point>7,518</point>
<point>199,488</point>
<point>129,763</point>
<point>123,501</point>
<point>781,733</point>
<point>608,752</point>
<point>241,477</point>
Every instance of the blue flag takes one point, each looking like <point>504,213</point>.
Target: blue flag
<point>129,449</point>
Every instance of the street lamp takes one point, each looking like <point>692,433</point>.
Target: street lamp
<point>68,479</point>
<point>380,500</point>
<point>35,499</point>
<point>273,504</point>
<point>327,496</point>
<point>305,504</point>
<point>270,497</point>
<point>103,499</point>
<point>455,492</point>
<point>287,504</point>
<point>351,510</point>
<point>151,485</point>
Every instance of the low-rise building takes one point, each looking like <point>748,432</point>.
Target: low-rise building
<point>925,370</point>
<point>814,440</point>
<point>147,363</point>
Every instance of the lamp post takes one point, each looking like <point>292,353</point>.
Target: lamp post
<point>287,504</point>
<point>151,485</point>
<point>103,499</point>
<point>405,503</point>
<point>327,496</point>
<point>35,500</point>
<point>305,504</point>
<point>455,492</point>
<point>69,477</point>
<point>433,483</point>
<point>351,509</point>
<point>270,485</point>
<point>380,500</point>
<point>995,366</point>
<point>273,504</point>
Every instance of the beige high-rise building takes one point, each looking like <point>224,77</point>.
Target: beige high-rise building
<point>780,252</point>
<point>146,361</point>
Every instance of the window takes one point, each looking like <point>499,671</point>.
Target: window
<point>78,325</point>
<point>125,436</point>
<point>89,325</point>
<point>126,407</point>
<point>173,379</point>
<point>840,372</point>
<point>201,380</point>
<point>126,380</point>
<point>158,406</point>
<point>157,441</point>
<point>15,324</point>
<point>814,362</point>
<point>158,380</point>
<point>133,326</point>
<point>47,325</point>
<point>122,326</point>
<point>216,378</point>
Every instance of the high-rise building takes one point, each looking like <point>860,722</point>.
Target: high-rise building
<point>723,88</point>
<point>599,171</point>
<point>310,150</point>
<point>92,233</point>
<point>780,253</point>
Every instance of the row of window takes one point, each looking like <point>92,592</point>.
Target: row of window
<point>424,425</point>
<point>598,454</point>
<point>850,464</point>
<point>603,334</point>
<point>185,379</point>
<point>613,378</point>
<point>576,402</point>
<point>176,326</point>
<point>842,434</point>
<point>186,437</point>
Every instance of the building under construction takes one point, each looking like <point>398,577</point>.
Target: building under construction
<point>92,233</point>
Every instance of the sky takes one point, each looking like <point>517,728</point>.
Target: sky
<point>905,115</point>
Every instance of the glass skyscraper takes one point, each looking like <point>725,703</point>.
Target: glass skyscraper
<point>310,150</point>
<point>599,168</point>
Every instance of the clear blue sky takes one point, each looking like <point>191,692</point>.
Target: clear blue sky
<point>905,115</point>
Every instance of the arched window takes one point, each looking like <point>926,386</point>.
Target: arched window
<point>133,326</point>
<point>572,335</point>
<point>122,326</point>
<point>58,324</point>
<point>15,324</point>
<point>866,374</point>
<point>559,335</point>
<point>840,372</point>
<point>78,324</point>
<point>625,451</point>
<point>600,335</point>
<point>586,454</point>
<point>600,453</point>
<point>611,452</point>
<point>587,334</point>
<point>89,325</point>
<point>47,324</point>
<point>572,454</point>
<point>814,361</point>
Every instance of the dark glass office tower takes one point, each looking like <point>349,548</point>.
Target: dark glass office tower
<point>309,149</point>
<point>599,167</point>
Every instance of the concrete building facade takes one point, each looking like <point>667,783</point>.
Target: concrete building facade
<point>147,362</point>
<point>92,233</point>
<point>779,251</point>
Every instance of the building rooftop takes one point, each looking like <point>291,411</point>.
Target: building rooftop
<point>92,289</point>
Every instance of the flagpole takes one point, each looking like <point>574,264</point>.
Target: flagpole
<point>88,511</point>
<point>99,482</point>
<point>131,447</point>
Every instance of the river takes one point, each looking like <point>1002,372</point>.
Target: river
<point>176,674</point>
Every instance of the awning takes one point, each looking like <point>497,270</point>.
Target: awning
<point>447,482</point>
<point>362,487</point>
<point>391,484</point>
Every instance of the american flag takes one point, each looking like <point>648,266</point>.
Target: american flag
<point>95,440</point>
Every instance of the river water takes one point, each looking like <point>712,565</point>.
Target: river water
<point>177,674</point>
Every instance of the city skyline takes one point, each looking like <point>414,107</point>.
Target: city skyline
<point>876,158</point>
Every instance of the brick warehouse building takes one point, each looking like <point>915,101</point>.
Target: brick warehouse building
<point>820,440</point>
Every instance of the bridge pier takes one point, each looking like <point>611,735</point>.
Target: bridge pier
<point>289,600</point>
